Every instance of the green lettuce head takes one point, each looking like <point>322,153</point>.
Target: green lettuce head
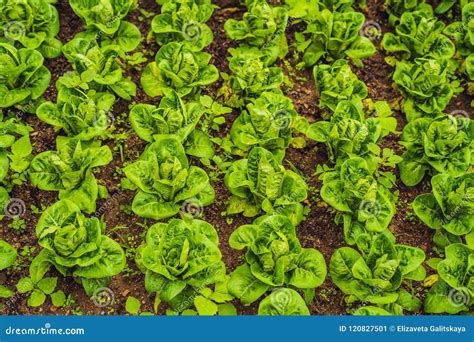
<point>179,259</point>
<point>32,24</point>
<point>260,184</point>
<point>23,76</point>
<point>76,245</point>
<point>178,67</point>
<point>166,181</point>
<point>440,145</point>
<point>274,258</point>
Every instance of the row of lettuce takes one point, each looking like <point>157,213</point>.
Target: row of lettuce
<point>431,59</point>
<point>72,243</point>
<point>180,258</point>
<point>373,271</point>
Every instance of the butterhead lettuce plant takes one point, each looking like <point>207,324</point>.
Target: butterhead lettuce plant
<point>32,24</point>
<point>454,291</point>
<point>250,76</point>
<point>462,32</point>
<point>173,116</point>
<point>178,67</point>
<point>376,276</point>
<point>450,206</point>
<point>283,302</point>
<point>180,258</point>
<point>440,145</point>
<point>334,35</point>
<point>15,146</point>
<point>267,122</point>
<point>273,258</point>
<point>419,34</point>
<point>262,26</point>
<point>23,77</point>
<point>125,39</point>
<point>102,15</point>
<point>69,170</point>
<point>8,256</point>
<point>15,156</point>
<point>185,21</point>
<point>309,9</point>
<point>353,190</point>
<point>166,181</point>
<point>427,85</point>
<point>76,246</point>
<point>350,134</point>
<point>260,184</point>
<point>336,82</point>
<point>396,8</point>
<point>97,67</point>
<point>83,114</point>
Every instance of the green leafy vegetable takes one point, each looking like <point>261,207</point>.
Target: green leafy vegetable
<point>23,77</point>
<point>376,276</point>
<point>75,245</point>
<point>274,258</point>
<point>260,184</point>
<point>173,116</point>
<point>350,134</point>
<point>454,292</point>
<point>353,190</point>
<point>267,122</point>
<point>102,15</point>
<point>283,302</point>
<point>462,32</point>
<point>440,145</point>
<point>8,255</point>
<point>98,67</point>
<point>334,35</point>
<point>427,86</point>
<point>250,75</point>
<point>336,82</point>
<point>84,114</point>
<point>184,20</point>
<point>262,26</point>
<point>15,146</point>
<point>69,170</point>
<point>179,259</point>
<point>308,10</point>
<point>125,39</point>
<point>450,206</point>
<point>177,67</point>
<point>166,181</point>
<point>34,24</point>
<point>419,34</point>
<point>396,8</point>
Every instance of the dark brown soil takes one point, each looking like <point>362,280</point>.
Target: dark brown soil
<point>318,230</point>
